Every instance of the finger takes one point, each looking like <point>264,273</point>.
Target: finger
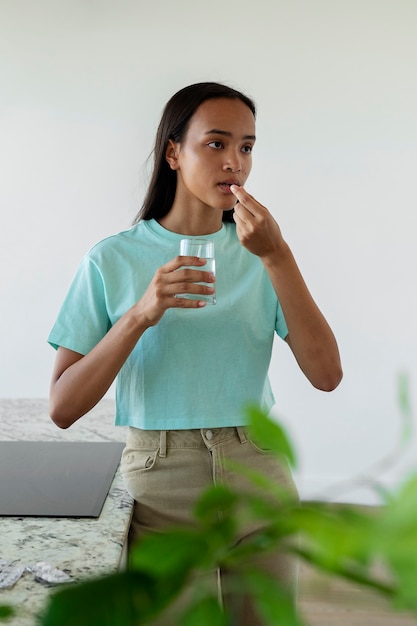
<point>182,261</point>
<point>243,197</point>
<point>187,303</point>
<point>247,201</point>
<point>190,275</point>
<point>195,290</point>
<point>243,217</point>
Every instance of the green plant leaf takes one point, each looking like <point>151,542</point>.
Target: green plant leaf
<point>173,552</point>
<point>243,553</point>
<point>397,541</point>
<point>6,612</point>
<point>205,612</point>
<point>270,435</point>
<point>334,535</point>
<point>125,599</point>
<point>282,494</point>
<point>274,604</point>
<point>214,499</point>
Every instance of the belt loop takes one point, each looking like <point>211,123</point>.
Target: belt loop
<point>241,434</point>
<point>162,443</point>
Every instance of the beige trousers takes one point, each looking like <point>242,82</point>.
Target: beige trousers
<point>166,472</point>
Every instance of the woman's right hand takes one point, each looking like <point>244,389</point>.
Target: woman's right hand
<point>171,279</point>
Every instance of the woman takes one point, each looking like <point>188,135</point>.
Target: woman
<point>186,369</point>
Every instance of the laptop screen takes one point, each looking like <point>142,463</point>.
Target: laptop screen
<point>56,479</point>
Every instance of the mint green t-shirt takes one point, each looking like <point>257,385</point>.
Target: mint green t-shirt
<point>197,368</point>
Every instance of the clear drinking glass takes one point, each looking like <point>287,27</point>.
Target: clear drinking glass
<point>204,249</point>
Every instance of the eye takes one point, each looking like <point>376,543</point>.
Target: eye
<point>217,145</point>
<point>247,149</point>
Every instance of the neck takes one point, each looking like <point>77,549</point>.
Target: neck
<point>202,221</point>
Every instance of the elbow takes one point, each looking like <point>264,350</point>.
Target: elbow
<point>329,380</point>
<point>59,415</point>
<point>58,420</point>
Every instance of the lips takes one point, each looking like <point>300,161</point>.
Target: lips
<point>225,185</point>
<point>230,181</point>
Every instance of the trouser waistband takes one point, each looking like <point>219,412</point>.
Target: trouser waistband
<point>209,435</point>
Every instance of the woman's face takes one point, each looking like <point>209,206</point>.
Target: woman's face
<point>215,153</point>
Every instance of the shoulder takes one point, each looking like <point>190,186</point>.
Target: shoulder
<point>116,245</point>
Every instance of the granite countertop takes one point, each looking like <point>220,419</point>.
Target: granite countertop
<point>82,547</point>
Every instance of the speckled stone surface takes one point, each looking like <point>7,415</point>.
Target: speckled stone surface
<point>82,547</point>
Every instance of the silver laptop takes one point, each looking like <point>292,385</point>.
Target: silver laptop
<point>56,479</point>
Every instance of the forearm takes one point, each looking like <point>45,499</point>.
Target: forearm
<point>309,335</point>
<point>78,384</point>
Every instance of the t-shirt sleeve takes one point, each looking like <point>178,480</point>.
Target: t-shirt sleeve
<point>83,319</point>
<point>280,323</point>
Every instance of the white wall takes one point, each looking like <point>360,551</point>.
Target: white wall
<point>82,86</point>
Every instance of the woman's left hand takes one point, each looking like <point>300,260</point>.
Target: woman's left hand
<point>256,228</point>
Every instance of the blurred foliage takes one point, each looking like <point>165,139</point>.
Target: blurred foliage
<point>6,612</point>
<point>342,540</point>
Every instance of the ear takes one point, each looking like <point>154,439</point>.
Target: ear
<point>172,153</point>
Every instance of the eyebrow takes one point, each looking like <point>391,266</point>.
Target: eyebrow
<point>226,133</point>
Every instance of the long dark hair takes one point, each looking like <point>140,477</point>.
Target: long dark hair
<point>173,125</point>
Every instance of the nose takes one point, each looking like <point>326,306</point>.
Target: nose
<point>232,161</point>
